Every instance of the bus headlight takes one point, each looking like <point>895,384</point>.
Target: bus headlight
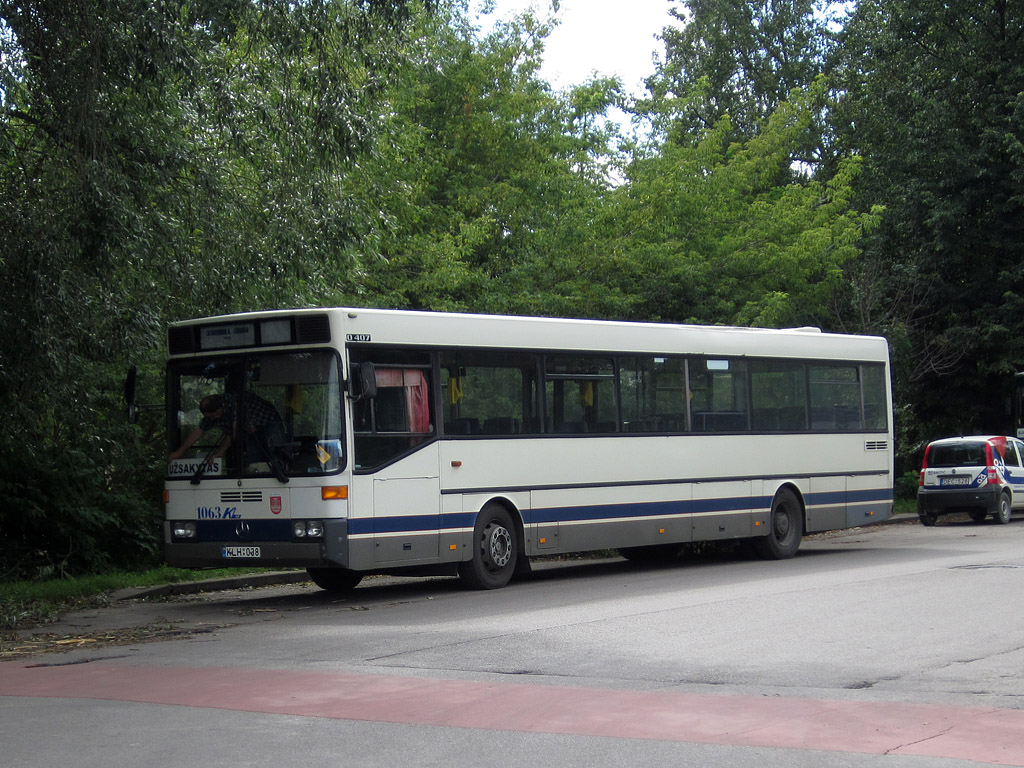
<point>183,530</point>
<point>307,529</point>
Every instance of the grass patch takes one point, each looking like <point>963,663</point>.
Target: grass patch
<point>905,507</point>
<point>26,604</point>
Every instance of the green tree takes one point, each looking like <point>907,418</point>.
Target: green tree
<point>934,105</point>
<point>157,160</point>
<point>741,60</point>
<point>483,171</point>
<point>711,234</point>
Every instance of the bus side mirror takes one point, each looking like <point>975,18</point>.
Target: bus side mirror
<point>129,394</point>
<point>363,384</point>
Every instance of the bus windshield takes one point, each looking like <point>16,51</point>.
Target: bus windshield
<point>266,414</point>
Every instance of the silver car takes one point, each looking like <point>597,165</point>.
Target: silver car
<point>981,475</point>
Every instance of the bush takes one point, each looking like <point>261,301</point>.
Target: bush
<point>65,514</point>
<point>906,484</point>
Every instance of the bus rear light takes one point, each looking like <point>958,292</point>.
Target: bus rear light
<point>330,492</point>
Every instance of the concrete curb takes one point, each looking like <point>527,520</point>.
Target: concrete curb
<point>289,577</point>
<point>212,585</point>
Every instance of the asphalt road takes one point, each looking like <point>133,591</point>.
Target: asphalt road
<point>895,646</point>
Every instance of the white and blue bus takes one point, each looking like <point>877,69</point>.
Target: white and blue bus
<point>354,441</point>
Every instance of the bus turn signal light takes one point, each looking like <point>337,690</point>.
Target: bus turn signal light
<point>331,492</point>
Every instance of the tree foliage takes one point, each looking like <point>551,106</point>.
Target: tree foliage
<point>159,160</point>
<point>935,107</point>
<point>482,171</point>
<point>741,59</point>
<point>737,245</point>
<point>177,158</point>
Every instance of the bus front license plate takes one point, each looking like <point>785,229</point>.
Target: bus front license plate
<point>241,552</point>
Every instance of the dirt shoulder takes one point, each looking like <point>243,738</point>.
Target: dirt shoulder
<point>145,615</point>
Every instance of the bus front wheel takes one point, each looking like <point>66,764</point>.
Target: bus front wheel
<point>335,580</point>
<point>786,528</point>
<point>495,550</point>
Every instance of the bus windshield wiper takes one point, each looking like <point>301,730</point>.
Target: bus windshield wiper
<point>274,462</point>
<point>201,469</point>
<point>198,476</point>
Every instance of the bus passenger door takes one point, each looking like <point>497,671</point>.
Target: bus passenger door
<point>407,509</point>
<point>395,446</point>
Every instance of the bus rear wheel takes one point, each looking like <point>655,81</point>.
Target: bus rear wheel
<point>495,550</point>
<point>786,528</point>
<point>335,580</point>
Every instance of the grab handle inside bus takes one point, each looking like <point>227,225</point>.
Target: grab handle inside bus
<point>363,385</point>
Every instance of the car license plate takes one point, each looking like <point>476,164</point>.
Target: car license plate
<point>964,480</point>
<point>241,552</point>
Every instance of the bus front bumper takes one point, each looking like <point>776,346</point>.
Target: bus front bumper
<point>331,550</point>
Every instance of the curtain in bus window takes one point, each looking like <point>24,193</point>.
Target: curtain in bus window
<point>416,401</point>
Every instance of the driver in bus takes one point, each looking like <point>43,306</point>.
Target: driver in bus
<point>263,426</point>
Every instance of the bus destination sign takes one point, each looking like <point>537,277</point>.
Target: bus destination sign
<point>227,336</point>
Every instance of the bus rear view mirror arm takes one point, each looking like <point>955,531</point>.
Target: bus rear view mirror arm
<point>130,387</point>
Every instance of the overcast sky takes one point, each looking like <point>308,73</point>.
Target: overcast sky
<point>610,37</point>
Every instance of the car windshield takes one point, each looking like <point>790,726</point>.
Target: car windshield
<point>274,414</point>
<point>957,455</point>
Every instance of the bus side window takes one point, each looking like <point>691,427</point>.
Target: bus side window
<point>779,394</point>
<point>835,397</point>
<point>394,421</point>
<point>718,389</point>
<point>487,393</point>
<point>653,393</point>
<point>873,388</point>
<point>581,395</point>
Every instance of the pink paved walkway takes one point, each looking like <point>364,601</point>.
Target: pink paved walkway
<point>984,734</point>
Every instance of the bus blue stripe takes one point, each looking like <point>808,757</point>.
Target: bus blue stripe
<point>599,512</point>
<point>848,497</point>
